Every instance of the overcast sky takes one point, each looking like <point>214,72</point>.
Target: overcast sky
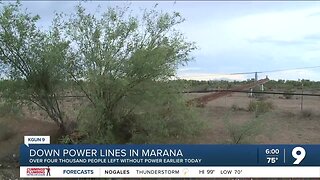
<point>233,36</point>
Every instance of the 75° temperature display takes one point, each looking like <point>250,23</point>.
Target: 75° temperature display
<point>290,155</point>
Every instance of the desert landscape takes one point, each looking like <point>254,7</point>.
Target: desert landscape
<point>158,73</point>
<point>227,120</point>
<point>285,123</point>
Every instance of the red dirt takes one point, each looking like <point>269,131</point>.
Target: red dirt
<point>203,100</point>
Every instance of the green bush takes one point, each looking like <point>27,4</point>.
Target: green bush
<point>241,133</point>
<point>235,107</point>
<point>173,127</point>
<point>8,108</point>
<point>164,124</point>
<point>260,107</point>
<point>288,94</point>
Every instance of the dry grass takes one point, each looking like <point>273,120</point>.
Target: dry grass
<point>283,125</point>
<point>306,114</point>
<point>6,132</point>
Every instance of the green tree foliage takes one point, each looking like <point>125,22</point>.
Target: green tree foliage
<point>122,63</point>
<point>33,60</point>
<point>126,63</point>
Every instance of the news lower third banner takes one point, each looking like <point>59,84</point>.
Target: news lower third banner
<point>39,158</point>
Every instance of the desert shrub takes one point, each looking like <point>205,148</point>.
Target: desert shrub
<point>259,96</point>
<point>149,124</point>
<point>178,124</point>
<point>241,133</point>
<point>66,140</point>
<point>33,60</point>
<point>128,83</point>
<point>260,107</point>
<point>235,107</point>
<point>288,114</point>
<point>252,106</point>
<point>75,137</point>
<point>120,62</point>
<point>306,113</point>
<point>288,94</point>
<point>10,108</point>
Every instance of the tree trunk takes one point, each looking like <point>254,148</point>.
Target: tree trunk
<point>62,129</point>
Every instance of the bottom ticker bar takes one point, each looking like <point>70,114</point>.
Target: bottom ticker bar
<point>166,172</point>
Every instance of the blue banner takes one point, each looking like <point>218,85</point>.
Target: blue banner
<point>169,155</point>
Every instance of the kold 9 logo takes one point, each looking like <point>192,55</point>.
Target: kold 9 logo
<point>38,171</point>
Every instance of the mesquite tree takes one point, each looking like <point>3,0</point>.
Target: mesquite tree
<point>121,63</point>
<point>126,63</point>
<point>33,59</point>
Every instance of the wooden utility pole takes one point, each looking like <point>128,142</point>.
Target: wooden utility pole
<point>256,76</point>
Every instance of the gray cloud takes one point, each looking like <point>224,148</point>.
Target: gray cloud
<point>263,53</point>
<point>312,37</point>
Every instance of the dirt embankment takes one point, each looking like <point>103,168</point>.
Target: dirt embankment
<point>12,134</point>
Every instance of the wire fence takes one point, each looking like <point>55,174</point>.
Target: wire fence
<point>254,92</point>
<point>215,90</point>
<point>282,101</point>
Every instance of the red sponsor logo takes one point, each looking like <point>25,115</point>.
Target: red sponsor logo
<point>38,171</point>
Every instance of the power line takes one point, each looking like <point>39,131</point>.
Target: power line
<point>253,72</point>
<point>310,67</point>
<point>278,70</point>
<point>245,73</point>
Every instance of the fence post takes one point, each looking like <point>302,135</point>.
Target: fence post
<point>301,103</point>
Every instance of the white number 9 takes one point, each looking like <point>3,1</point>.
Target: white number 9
<point>299,157</point>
